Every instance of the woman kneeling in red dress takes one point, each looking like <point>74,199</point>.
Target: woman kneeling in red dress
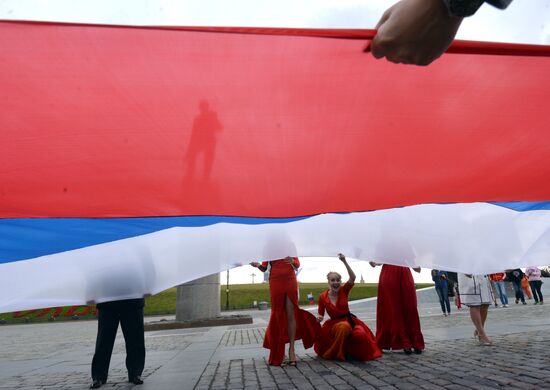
<point>343,335</point>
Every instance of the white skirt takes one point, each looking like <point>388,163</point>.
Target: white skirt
<point>475,290</point>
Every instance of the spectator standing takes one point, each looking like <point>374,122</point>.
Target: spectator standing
<point>498,280</point>
<point>515,277</point>
<point>534,274</point>
<point>441,281</point>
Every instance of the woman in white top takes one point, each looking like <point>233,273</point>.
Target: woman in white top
<point>475,292</point>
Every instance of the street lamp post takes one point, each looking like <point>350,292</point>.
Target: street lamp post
<point>227,292</point>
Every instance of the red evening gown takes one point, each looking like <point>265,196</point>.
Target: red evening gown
<point>340,338</point>
<point>397,321</point>
<point>283,283</point>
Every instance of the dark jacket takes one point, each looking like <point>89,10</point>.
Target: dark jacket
<point>462,8</point>
<point>515,275</point>
<point>440,278</point>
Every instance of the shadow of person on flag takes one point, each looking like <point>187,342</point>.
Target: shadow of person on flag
<point>202,143</point>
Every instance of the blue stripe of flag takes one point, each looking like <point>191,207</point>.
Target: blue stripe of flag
<point>27,238</point>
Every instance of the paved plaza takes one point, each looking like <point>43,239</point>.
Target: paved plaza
<point>58,355</point>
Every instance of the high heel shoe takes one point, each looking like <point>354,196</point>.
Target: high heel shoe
<point>485,343</point>
<point>292,362</point>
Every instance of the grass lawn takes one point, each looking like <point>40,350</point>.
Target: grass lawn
<point>241,296</point>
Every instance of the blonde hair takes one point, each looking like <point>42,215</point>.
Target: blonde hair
<point>334,273</point>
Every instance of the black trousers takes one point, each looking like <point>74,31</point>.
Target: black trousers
<point>535,287</point>
<point>131,322</point>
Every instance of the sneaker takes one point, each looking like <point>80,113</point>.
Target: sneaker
<point>517,301</point>
<point>536,303</point>
<point>524,303</point>
<point>504,305</point>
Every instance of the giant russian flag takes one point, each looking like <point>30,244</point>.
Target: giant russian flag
<point>133,159</point>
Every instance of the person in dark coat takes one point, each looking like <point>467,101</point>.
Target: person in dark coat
<point>129,313</point>
<point>515,276</point>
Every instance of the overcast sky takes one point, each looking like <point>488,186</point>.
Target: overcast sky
<point>526,21</point>
<point>523,21</point>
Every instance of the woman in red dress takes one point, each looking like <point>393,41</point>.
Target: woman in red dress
<point>343,335</point>
<point>287,322</point>
<point>397,320</point>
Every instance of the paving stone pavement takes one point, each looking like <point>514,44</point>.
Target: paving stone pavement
<point>453,363</point>
<point>58,356</point>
